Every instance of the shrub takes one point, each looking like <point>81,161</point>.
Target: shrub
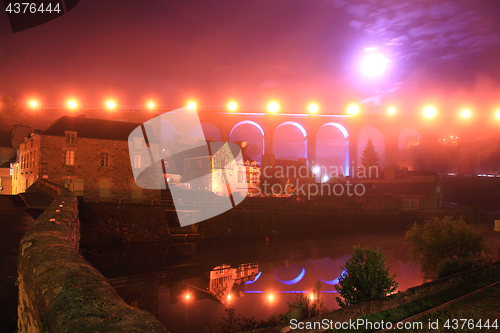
<point>451,266</point>
<point>365,277</point>
<point>443,239</point>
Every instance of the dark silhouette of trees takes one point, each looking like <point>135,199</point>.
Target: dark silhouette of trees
<point>369,156</point>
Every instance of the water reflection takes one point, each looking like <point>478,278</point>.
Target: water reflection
<point>188,286</point>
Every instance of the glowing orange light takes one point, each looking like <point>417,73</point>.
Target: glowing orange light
<point>498,114</point>
<point>229,297</point>
<point>192,105</point>
<point>232,106</point>
<point>111,104</point>
<point>391,110</point>
<point>311,297</point>
<point>33,104</point>
<point>466,113</point>
<point>187,296</point>
<point>72,104</point>
<point>271,297</point>
<point>151,105</point>
<point>313,108</point>
<point>353,109</point>
<point>273,107</point>
<point>429,112</point>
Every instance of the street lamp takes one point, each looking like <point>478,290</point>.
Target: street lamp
<point>466,114</point>
<point>353,109</point>
<point>232,106</point>
<point>273,107</point>
<point>313,108</point>
<point>429,112</point>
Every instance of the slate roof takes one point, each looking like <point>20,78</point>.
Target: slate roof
<point>91,128</point>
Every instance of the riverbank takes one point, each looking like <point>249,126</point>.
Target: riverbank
<point>404,305</point>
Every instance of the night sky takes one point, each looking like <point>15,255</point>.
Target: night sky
<point>294,52</point>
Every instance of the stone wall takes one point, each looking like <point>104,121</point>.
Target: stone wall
<point>58,290</point>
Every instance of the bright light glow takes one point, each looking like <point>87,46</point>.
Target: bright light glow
<point>232,106</point>
<point>391,110</point>
<point>192,105</point>
<point>466,113</point>
<point>374,64</point>
<point>72,104</point>
<point>429,112</point>
<point>353,109</point>
<point>271,297</point>
<point>498,114</point>
<point>111,104</point>
<point>325,179</point>
<point>229,297</point>
<point>311,297</point>
<point>316,170</point>
<point>33,104</point>
<point>187,296</point>
<point>273,107</point>
<point>313,108</point>
<point>151,105</point>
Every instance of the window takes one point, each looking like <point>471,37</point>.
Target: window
<point>69,157</point>
<point>70,138</point>
<point>137,161</point>
<point>104,159</point>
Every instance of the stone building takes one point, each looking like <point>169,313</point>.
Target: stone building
<point>9,140</point>
<point>88,156</point>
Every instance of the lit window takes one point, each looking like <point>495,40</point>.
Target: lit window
<point>70,138</point>
<point>104,159</point>
<point>69,157</point>
<point>137,161</point>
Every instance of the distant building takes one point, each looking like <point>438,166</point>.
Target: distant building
<point>283,177</point>
<point>9,140</point>
<point>412,141</point>
<point>87,156</point>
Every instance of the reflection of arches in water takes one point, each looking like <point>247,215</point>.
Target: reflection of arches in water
<point>334,281</point>
<point>254,280</point>
<point>292,281</point>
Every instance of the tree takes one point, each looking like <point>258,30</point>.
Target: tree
<point>369,156</point>
<point>364,277</point>
<point>441,242</point>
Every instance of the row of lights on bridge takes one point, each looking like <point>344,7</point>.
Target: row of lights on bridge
<point>273,107</point>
